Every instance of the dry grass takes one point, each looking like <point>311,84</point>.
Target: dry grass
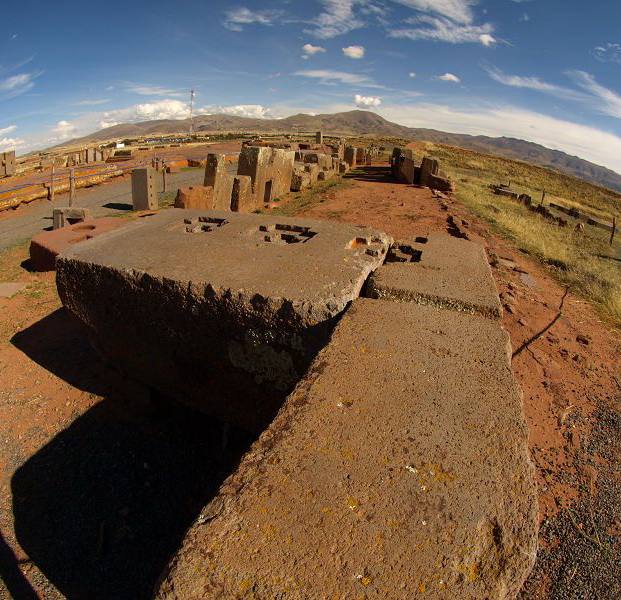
<point>296,202</point>
<point>583,261</point>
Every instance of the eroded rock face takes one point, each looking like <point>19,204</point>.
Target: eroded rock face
<point>221,310</point>
<point>398,468</point>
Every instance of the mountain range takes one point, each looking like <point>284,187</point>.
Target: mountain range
<point>361,122</point>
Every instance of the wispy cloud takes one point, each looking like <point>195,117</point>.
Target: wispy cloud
<point>337,18</point>
<point>355,52</point>
<point>533,83</point>
<point>153,90</point>
<point>459,11</point>
<point>608,53</point>
<point>91,102</point>
<point>236,19</point>
<point>16,85</point>
<point>329,76</point>
<point>6,130</point>
<point>606,101</point>
<point>439,29</point>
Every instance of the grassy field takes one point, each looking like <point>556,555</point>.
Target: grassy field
<point>308,198</point>
<point>584,261</point>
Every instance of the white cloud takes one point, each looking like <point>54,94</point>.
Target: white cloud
<point>310,50</point>
<point>152,90</point>
<point>449,77</point>
<point>459,11</point>
<point>440,29</point>
<point>7,143</point>
<point>608,52</point>
<point>336,19</point>
<point>354,51</point>
<point>15,85</point>
<point>235,19</point>
<point>533,83</point>
<point>255,111</point>
<point>412,74</point>
<point>91,102</point>
<point>367,101</point>
<point>8,129</point>
<point>603,100</point>
<point>162,109</point>
<point>587,142</point>
<point>64,130</point>
<point>525,18</point>
<point>328,76</point>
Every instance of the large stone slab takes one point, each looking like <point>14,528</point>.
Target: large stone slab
<point>221,310</point>
<point>443,271</point>
<point>397,469</point>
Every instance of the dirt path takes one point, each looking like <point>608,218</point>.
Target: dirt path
<point>97,486</point>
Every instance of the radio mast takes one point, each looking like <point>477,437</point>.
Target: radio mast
<point>191,112</point>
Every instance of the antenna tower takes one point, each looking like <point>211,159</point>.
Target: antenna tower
<point>191,112</point>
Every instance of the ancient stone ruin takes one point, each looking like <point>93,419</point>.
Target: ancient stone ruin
<point>393,461</point>
<point>265,172</point>
<point>7,163</point>
<point>404,169</point>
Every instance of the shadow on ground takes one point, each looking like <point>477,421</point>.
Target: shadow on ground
<point>102,507</point>
<point>118,206</point>
<point>380,174</point>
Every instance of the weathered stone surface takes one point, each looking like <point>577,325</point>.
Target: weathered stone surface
<point>407,170</point>
<point>68,215</point>
<point>319,137</point>
<point>429,166</point>
<point>398,468</point>
<point>343,168</point>
<point>445,271</point>
<point>350,156</point>
<point>144,192</point>
<point>254,162</point>
<point>7,163</point>
<point>281,168</point>
<point>241,196</point>
<point>300,180</point>
<point>313,171</point>
<point>217,177</point>
<point>46,246</point>
<point>197,197</point>
<point>221,310</point>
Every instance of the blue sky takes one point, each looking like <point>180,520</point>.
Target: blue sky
<point>542,70</point>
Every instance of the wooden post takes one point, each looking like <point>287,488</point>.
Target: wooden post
<point>163,177</point>
<point>543,196</point>
<point>71,186</point>
<point>614,230</point>
<point>52,185</point>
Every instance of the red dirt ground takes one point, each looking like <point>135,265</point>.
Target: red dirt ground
<point>50,379</point>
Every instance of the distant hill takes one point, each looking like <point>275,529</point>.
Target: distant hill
<point>361,122</point>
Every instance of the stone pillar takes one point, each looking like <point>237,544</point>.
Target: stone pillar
<point>429,166</point>
<point>350,156</point>
<point>144,193</point>
<point>7,163</point>
<point>255,163</point>
<point>241,197</point>
<point>319,137</point>
<point>217,177</point>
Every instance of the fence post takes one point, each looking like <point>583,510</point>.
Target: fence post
<point>71,186</point>
<point>614,229</point>
<point>543,196</point>
<point>163,177</point>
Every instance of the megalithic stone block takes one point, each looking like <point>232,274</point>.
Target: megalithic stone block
<point>144,192</point>
<point>217,177</point>
<point>195,197</point>
<point>220,310</point>
<point>255,163</point>
<point>69,215</point>
<point>241,197</point>
<point>350,156</point>
<point>319,137</point>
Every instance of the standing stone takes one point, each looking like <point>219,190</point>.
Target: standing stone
<point>241,197</point>
<point>144,194</point>
<point>350,156</point>
<point>7,163</point>
<point>319,137</point>
<point>254,162</point>
<point>217,177</point>
<point>195,197</point>
<point>281,169</point>
<point>429,166</point>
